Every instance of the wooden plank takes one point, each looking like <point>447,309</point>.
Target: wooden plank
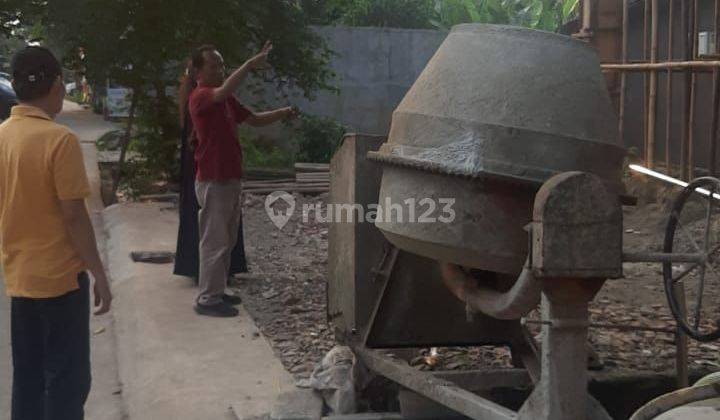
<point>288,185</point>
<point>646,79</point>
<point>669,88</point>
<point>623,75</point>
<point>716,98</point>
<point>159,197</point>
<point>662,257</point>
<point>267,173</point>
<point>268,182</point>
<point>314,173</point>
<point>686,55</point>
<point>312,180</point>
<point>312,167</point>
<point>436,389</point>
<point>693,86</point>
<point>316,190</point>
<point>310,174</point>
<point>652,98</point>
<point>672,65</point>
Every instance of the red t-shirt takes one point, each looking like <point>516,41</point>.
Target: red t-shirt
<point>218,155</point>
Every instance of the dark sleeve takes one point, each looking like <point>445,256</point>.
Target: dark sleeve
<point>241,112</point>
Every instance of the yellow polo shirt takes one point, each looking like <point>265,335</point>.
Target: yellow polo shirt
<point>41,163</point>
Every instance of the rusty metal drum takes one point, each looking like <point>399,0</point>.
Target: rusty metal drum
<point>497,111</point>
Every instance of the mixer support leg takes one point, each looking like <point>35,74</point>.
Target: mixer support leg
<point>525,353</point>
<point>561,393</point>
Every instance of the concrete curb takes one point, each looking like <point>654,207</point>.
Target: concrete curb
<point>173,363</point>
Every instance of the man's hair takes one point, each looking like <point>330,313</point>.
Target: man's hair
<point>198,56</point>
<point>34,70</point>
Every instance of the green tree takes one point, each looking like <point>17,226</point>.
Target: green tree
<point>379,13</point>
<point>442,14</point>
<point>143,45</point>
<point>13,18</point>
<point>547,15</point>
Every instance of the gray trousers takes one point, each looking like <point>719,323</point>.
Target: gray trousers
<point>219,219</point>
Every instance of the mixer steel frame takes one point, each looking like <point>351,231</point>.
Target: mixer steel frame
<point>373,295</point>
<point>572,266</point>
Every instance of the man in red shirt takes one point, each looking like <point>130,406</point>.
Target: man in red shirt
<point>215,114</point>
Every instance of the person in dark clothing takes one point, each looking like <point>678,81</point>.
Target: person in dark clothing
<point>187,253</point>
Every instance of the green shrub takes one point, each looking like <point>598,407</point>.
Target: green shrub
<point>137,178</point>
<point>110,140</point>
<point>259,153</point>
<point>317,138</point>
<point>75,96</point>
<point>160,155</point>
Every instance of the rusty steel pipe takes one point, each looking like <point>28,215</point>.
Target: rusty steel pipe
<point>675,399</point>
<point>686,53</point>
<point>668,65</point>
<point>517,302</point>
<point>623,75</point>
<point>669,89</point>
<point>646,81</point>
<point>716,99</point>
<point>652,98</point>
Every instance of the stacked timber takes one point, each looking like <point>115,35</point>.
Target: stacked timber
<point>310,178</point>
<point>267,174</point>
<point>313,175</point>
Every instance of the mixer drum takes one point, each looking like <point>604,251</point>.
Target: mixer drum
<point>497,111</point>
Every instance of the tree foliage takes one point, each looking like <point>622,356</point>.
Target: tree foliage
<point>15,15</point>
<point>442,14</point>
<point>144,44</point>
<point>379,13</point>
<point>317,139</point>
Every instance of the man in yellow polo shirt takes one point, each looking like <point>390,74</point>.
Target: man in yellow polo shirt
<point>46,244</point>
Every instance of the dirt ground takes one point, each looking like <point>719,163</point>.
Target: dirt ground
<point>286,294</point>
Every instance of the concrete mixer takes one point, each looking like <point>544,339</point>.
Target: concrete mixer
<point>515,128</point>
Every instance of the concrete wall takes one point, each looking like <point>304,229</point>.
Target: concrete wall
<point>375,67</point>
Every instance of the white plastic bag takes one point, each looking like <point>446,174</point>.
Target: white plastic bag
<point>334,379</point>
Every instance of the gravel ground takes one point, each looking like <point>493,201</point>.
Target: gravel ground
<point>286,296</point>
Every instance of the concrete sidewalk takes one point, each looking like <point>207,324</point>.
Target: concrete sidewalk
<point>153,358</point>
<point>105,401</point>
<point>173,363</point>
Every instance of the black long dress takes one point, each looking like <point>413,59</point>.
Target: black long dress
<point>188,242</point>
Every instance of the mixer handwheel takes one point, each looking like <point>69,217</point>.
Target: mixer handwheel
<point>691,281</point>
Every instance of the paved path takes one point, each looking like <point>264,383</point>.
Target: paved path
<point>173,363</point>
<point>105,400</point>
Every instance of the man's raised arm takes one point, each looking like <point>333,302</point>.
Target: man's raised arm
<point>233,82</point>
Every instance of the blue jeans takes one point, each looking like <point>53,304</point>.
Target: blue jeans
<point>51,355</point>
